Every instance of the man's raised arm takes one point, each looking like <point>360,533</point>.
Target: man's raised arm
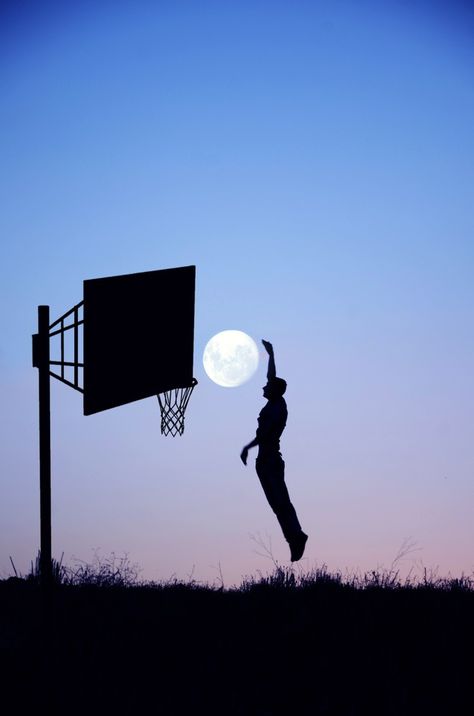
<point>271,372</point>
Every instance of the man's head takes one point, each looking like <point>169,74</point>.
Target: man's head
<point>275,388</point>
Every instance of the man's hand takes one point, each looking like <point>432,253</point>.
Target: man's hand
<point>268,347</point>
<point>244,455</point>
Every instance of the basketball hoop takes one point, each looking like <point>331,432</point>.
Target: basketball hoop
<point>173,404</point>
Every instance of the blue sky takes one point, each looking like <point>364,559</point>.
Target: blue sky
<point>315,162</point>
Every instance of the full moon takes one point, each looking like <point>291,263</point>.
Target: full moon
<point>230,358</point>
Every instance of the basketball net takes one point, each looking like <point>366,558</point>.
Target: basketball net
<point>173,404</point>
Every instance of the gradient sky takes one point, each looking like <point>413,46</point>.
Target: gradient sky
<point>315,161</point>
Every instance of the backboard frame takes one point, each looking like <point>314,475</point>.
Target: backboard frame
<point>138,336</point>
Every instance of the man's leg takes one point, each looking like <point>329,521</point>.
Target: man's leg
<point>271,473</point>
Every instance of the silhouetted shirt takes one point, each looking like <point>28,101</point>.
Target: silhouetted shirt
<point>271,423</point>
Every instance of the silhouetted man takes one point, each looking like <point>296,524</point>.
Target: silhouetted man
<point>269,464</point>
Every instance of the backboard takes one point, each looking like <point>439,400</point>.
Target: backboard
<point>138,336</point>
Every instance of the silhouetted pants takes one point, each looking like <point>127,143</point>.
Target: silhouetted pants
<point>271,472</point>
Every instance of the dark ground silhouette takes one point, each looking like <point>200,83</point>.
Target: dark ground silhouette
<point>271,647</point>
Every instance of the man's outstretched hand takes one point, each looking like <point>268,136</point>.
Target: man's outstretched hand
<point>244,455</point>
<point>268,347</point>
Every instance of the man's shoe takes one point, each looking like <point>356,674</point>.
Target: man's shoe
<point>297,546</point>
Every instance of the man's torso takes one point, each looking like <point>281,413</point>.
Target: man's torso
<point>271,423</point>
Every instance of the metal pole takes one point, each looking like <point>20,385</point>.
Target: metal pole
<point>41,358</point>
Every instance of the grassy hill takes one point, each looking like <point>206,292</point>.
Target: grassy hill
<point>281,644</point>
